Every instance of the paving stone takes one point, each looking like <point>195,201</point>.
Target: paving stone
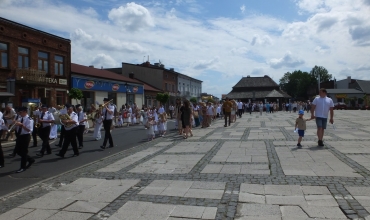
<point>15,213</point>
<point>39,215</point>
<point>63,215</point>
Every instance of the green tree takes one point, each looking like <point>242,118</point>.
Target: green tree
<point>162,98</point>
<point>296,83</point>
<point>193,100</point>
<point>322,72</point>
<point>75,93</point>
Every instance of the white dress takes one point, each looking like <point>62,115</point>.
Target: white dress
<point>155,126</point>
<point>120,120</point>
<point>97,128</point>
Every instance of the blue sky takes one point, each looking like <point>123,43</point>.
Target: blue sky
<point>216,41</point>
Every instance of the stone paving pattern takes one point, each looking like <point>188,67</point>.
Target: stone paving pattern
<point>251,170</point>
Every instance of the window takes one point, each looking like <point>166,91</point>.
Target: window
<point>86,101</point>
<point>59,65</point>
<point>112,95</point>
<point>23,57</point>
<point>3,55</point>
<point>43,61</point>
<point>61,98</point>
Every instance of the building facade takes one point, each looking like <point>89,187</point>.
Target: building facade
<point>34,65</point>
<point>189,87</point>
<point>97,84</point>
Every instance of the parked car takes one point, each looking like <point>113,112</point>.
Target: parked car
<point>340,105</point>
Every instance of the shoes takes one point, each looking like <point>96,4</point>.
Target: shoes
<point>110,146</point>
<point>102,147</point>
<point>75,155</point>
<point>225,126</point>
<point>20,170</point>
<point>80,147</point>
<point>11,155</point>
<point>40,154</point>
<point>30,163</point>
<point>299,145</point>
<point>59,155</point>
<point>320,143</point>
<point>57,145</point>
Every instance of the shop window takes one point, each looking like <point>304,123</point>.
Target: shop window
<point>3,55</point>
<point>59,65</point>
<point>61,97</point>
<point>130,99</point>
<point>43,61</point>
<point>23,57</point>
<point>87,100</point>
<point>112,95</point>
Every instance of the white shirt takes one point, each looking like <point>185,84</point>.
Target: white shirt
<point>27,122</point>
<point>1,115</point>
<point>323,106</point>
<point>73,117</point>
<point>210,110</point>
<point>172,107</point>
<point>161,110</point>
<point>81,116</point>
<point>47,116</point>
<point>108,116</point>
<point>63,111</point>
<point>240,105</point>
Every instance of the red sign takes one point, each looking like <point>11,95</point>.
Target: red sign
<point>89,84</point>
<point>134,89</point>
<point>115,87</point>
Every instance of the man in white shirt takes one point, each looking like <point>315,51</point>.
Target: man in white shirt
<point>171,110</point>
<point>70,127</point>
<point>240,108</point>
<point>161,109</point>
<point>81,126</point>
<point>107,113</point>
<point>45,118</point>
<point>320,110</point>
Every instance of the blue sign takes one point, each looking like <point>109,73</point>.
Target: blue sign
<point>31,100</point>
<point>101,85</point>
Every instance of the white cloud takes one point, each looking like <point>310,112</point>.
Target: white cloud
<point>311,6</point>
<point>103,60</point>
<point>364,67</point>
<point>264,40</point>
<point>360,35</point>
<point>239,51</point>
<point>104,42</point>
<point>205,64</point>
<point>286,61</point>
<point>131,17</point>
<point>90,11</point>
<point>242,8</point>
<point>321,50</point>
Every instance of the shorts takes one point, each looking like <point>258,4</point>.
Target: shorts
<point>301,133</point>
<point>321,122</point>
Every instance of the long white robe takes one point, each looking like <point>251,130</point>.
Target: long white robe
<point>97,128</point>
<point>53,131</point>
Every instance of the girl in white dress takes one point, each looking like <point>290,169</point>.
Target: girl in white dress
<point>87,126</point>
<point>155,115</point>
<point>120,119</point>
<point>144,114</point>
<point>129,115</point>
<point>162,121</point>
<point>98,124</point>
<point>150,126</point>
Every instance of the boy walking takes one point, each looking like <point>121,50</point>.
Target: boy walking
<point>300,123</point>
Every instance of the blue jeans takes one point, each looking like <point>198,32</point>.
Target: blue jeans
<point>321,122</point>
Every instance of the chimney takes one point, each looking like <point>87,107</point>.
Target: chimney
<point>131,75</point>
<point>92,66</point>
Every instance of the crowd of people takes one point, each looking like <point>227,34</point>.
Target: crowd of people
<point>44,122</point>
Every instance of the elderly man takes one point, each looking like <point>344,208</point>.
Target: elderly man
<point>320,110</point>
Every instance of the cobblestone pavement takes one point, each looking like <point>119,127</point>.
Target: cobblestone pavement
<point>251,170</point>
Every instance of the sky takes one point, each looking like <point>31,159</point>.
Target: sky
<point>216,41</point>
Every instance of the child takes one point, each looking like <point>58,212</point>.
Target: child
<point>300,123</point>
<point>98,125</point>
<point>162,127</point>
<point>150,126</point>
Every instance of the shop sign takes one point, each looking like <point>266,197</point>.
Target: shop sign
<point>89,84</point>
<point>341,96</point>
<point>63,82</point>
<point>35,76</point>
<point>115,87</point>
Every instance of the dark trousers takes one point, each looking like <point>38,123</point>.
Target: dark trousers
<point>34,136</point>
<point>197,122</point>
<point>22,149</point>
<point>107,124</point>
<point>1,151</point>
<point>61,136</point>
<point>70,138</point>
<point>171,113</point>
<point>227,115</point>
<point>44,134</point>
<point>80,135</point>
<point>240,112</point>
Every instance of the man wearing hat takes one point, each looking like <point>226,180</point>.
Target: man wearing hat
<point>70,127</point>
<point>45,118</point>
<point>24,129</point>
<point>107,113</point>
<point>81,125</point>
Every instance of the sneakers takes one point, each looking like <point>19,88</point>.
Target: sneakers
<point>320,143</point>
<point>20,170</point>
<point>299,145</point>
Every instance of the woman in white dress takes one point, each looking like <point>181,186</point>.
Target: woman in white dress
<point>150,126</point>
<point>162,124</point>
<point>144,114</point>
<point>98,124</point>
<point>129,114</point>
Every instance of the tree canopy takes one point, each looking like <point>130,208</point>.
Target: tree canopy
<point>75,93</point>
<point>297,83</point>
<point>162,98</point>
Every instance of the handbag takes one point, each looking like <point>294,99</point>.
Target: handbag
<point>196,114</point>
